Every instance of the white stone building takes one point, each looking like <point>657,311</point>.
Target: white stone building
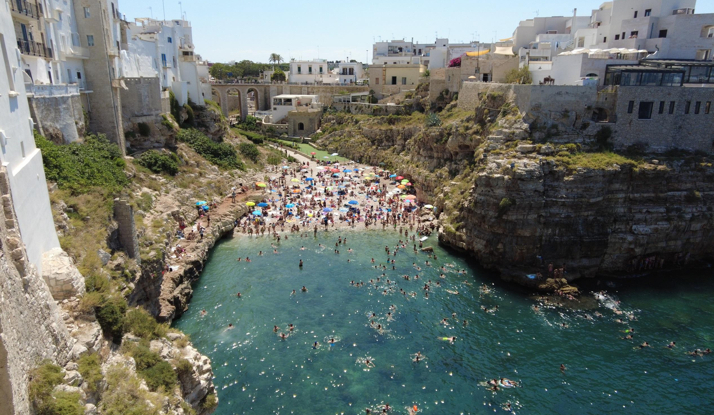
<point>350,72</point>
<point>21,160</point>
<point>282,104</point>
<point>166,48</point>
<point>432,55</point>
<point>311,72</point>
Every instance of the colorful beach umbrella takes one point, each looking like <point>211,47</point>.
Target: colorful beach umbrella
<point>353,202</point>
<point>257,213</point>
<point>327,210</point>
<point>250,204</point>
<point>309,179</point>
<point>261,184</point>
<point>295,180</point>
<point>201,202</point>
<point>408,197</point>
<point>347,171</point>
<point>400,177</point>
<point>344,210</point>
<point>262,204</point>
<point>290,205</point>
<point>334,154</point>
<point>392,176</point>
<point>429,206</point>
<point>313,153</point>
<point>401,186</point>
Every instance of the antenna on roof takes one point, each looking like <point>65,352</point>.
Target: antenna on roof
<point>537,12</point>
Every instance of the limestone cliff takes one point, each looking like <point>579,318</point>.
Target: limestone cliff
<point>518,198</point>
<point>31,329</point>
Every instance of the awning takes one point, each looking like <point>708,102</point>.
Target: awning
<point>480,53</point>
<point>503,50</point>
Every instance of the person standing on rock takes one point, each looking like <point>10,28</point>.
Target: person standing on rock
<point>208,218</point>
<point>233,194</point>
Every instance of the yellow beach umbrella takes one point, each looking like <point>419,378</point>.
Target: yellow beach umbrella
<point>250,204</point>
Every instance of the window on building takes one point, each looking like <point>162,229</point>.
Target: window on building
<point>170,40</point>
<point>581,42</point>
<point>376,81</point>
<point>645,111</point>
<point>663,33</point>
<point>394,80</point>
<point>320,68</point>
<point>671,107</point>
<point>22,148</point>
<point>86,13</point>
<point>661,107</point>
<point>114,12</point>
<point>90,40</point>
<point>404,80</point>
<point>299,69</point>
<point>6,60</point>
<point>174,61</point>
<point>163,60</point>
<point>633,34</point>
<point>648,12</point>
<point>635,15</point>
<point>630,107</point>
<point>301,126</point>
<point>687,106</point>
<point>697,107</point>
<point>309,69</point>
<point>623,35</point>
<point>617,37</point>
<point>707,107</point>
<point>604,39</point>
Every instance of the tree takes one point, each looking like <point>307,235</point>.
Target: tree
<point>275,58</point>
<point>519,76</point>
<point>278,75</point>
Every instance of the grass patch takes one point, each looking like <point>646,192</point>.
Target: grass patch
<point>595,161</point>
<point>157,372</point>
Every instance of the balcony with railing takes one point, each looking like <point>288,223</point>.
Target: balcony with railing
<point>52,90</point>
<point>31,48</point>
<point>25,9</point>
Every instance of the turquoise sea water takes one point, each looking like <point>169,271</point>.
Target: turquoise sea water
<point>258,373</point>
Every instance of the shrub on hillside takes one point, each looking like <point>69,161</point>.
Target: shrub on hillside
<point>250,150</point>
<point>156,371</point>
<point>110,316</point>
<point>144,129</point>
<point>432,120</point>
<point>79,167</point>
<point>91,370</point>
<point>221,154</point>
<point>142,324</point>
<point>159,162</point>
<point>250,124</point>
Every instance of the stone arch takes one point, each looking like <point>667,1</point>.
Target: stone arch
<point>216,96</point>
<point>234,101</point>
<point>301,126</point>
<point>253,99</point>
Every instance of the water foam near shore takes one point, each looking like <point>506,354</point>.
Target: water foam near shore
<point>258,372</point>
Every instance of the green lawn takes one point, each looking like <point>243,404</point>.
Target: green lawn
<point>320,154</point>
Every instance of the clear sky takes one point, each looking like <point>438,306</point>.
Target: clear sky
<point>225,30</point>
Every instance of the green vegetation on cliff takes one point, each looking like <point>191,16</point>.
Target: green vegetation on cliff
<point>44,399</point>
<point>221,154</point>
<point>80,167</point>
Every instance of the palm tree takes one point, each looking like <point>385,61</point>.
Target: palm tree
<point>275,58</point>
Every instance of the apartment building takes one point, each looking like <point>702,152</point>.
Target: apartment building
<point>98,28</point>
<point>432,55</point>
<point>165,48</point>
<point>20,160</point>
<point>314,71</point>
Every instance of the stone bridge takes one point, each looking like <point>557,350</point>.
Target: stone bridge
<point>265,92</point>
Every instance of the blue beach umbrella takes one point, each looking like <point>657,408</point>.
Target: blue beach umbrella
<point>257,213</point>
<point>327,210</point>
<point>290,205</point>
<point>201,202</point>
<point>353,202</point>
<point>309,179</point>
<point>344,210</point>
<point>392,175</point>
<point>347,171</point>
<point>263,204</point>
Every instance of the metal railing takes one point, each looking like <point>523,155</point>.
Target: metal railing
<point>29,47</point>
<point>26,8</point>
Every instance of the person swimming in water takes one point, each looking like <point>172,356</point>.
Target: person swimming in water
<point>230,325</point>
<point>671,345</point>
<point>283,336</point>
<point>293,293</point>
<point>643,345</point>
<point>562,368</point>
<point>275,329</point>
<point>238,294</point>
<point>291,327</point>
<point>315,345</point>
<point>303,289</point>
<point>300,265</point>
<point>203,312</point>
